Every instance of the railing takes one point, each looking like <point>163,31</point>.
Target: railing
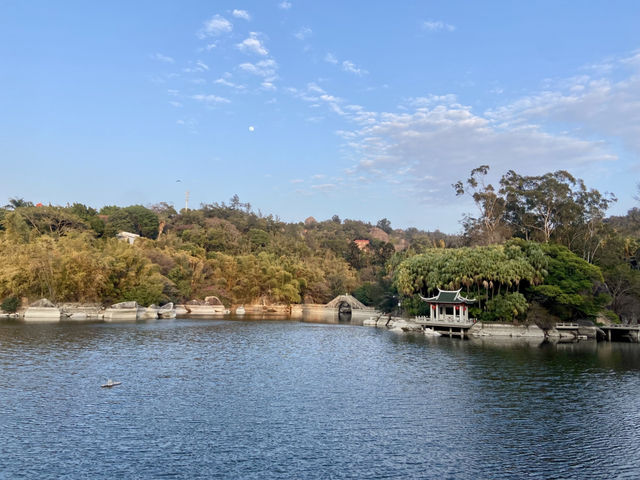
<point>567,325</point>
<point>446,319</point>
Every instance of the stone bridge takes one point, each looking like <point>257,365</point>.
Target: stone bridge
<point>347,303</point>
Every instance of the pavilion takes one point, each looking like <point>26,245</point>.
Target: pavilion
<point>449,306</point>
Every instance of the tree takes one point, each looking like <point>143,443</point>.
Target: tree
<point>488,227</point>
<point>483,272</point>
<point>17,203</point>
<point>539,203</point>
<point>135,219</point>
<point>258,238</point>
<point>384,225</point>
<point>10,304</point>
<point>587,233</point>
<point>506,308</point>
<point>572,289</point>
<point>53,221</point>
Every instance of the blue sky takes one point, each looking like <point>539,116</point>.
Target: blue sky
<point>361,109</point>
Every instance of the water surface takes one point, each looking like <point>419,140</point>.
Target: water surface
<point>282,399</point>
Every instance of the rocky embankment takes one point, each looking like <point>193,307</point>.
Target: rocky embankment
<point>480,329</point>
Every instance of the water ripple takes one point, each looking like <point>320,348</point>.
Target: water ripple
<point>222,399</point>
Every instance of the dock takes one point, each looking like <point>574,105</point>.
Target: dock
<point>622,332</point>
<point>613,332</point>
<point>452,328</point>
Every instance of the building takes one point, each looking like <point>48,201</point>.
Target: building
<point>362,244</point>
<point>449,306</point>
<point>127,237</point>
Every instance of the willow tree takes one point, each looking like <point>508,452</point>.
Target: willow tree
<point>483,272</point>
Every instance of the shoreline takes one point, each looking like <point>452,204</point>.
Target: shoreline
<point>485,330</point>
<point>95,313</point>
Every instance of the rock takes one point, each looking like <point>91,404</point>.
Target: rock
<point>405,325</point>
<point>379,234</point>
<point>370,322</point>
<point>125,305</point>
<point>43,303</point>
<point>481,329</point>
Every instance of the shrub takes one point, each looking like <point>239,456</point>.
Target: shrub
<point>10,304</point>
<point>506,307</point>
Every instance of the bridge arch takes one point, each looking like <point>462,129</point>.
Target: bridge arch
<point>348,300</point>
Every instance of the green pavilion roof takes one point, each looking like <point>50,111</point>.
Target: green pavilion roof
<point>448,296</point>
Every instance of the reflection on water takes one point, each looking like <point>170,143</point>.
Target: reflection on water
<point>264,399</point>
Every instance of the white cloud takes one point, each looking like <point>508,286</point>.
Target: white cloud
<point>190,123</point>
<point>437,26</point>
<point>197,67</point>
<point>241,14</point>
<point>253,44</point>
<point>268,86</point>
<point>210,99</point>
<point>296,180</point>
<point>315,88</point>
<point>162,58</point>
<point>303,33</point>
<point>216,25</point>
<point>415,145</point>
<point>330,58</point>
<point>263,68</point>
<point>588,125</point>
<point>350,67</point>
<point>227,83</point>
<point>285,5</point>
<point>429,100</point>
<point>175,104</point>
<point>325,187</point>
<point>592,106</point>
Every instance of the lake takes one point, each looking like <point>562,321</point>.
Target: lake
<point>284,399</point>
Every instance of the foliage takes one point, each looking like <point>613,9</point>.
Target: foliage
<point>506,308</point>
<point>242,256</point>
<point>571,287</point>
<point>554,206</point>
<point>541,317</point>
<point>10,304</point>
<point>134,219</point>
<point>385,225</point>
<point>482,272</point>
<point>499,275</point>
<point>489,227</point>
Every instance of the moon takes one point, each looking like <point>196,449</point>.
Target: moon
<point>251,129</point>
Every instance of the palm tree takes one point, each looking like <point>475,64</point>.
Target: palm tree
<point>17,203</point>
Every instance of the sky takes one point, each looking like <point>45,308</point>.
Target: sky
<point>365,110</point>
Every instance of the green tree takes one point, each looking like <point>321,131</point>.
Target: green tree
<point>134,219</point>
<point>385,225</point>
<point>489,226</point>
<point>17,203</point>
<point>506,308</point>
<point>10,304</point>
<point>571,290</point>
